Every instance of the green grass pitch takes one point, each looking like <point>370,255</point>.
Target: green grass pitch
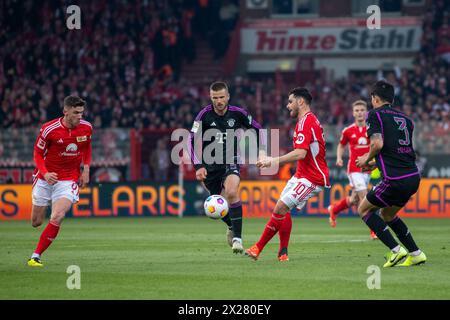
<point>172,258</point>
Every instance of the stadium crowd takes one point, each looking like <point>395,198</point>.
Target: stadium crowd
<point>126,62</point>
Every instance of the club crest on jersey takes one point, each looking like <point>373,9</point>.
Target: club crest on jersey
<point>195,126</point>
<point>71,147</point>
<point>362,141</point>
<point>231,122</point>
<point>300,138</point>
<point>82,138</point>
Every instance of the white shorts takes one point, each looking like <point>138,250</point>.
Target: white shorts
<point>359,181</point>
<point>45,194</point>
<point>298,191</point>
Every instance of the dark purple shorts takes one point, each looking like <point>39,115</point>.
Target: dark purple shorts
<point>389,193</point>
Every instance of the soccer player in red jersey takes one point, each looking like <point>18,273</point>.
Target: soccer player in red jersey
<point>310,178</point>
<point>62,145</point>
<point>355,136</point>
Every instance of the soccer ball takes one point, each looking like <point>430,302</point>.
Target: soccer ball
<point>216,207</point>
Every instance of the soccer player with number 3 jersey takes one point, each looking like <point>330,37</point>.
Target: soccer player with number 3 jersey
<point>390,132</point>
<point>62,146</point>
<point>309,180</point>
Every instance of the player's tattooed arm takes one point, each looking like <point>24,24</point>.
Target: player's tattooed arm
<point>376,144</point>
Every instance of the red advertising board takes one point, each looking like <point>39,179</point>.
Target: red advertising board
<point>330,36</point>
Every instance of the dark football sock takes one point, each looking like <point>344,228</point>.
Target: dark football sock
<point>401,230</point>
<point>236,219</point>
<point>374,222</point>
<point>227,220</point>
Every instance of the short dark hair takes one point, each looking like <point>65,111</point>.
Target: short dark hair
<point>218,85</point>
<point>301,92</point>
<point>74,101</point>
<point>384,90</point>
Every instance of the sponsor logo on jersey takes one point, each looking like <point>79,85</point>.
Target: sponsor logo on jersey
<point>213,124</point>
<point>81,138</point>
<point>41,144</point>
<point>231,122</point>
<point>72,147</point>
<point>60,141</point>
<point>362,141</point>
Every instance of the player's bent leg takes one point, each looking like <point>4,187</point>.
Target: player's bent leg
<point>281,208</point>
<point>415,255</point>
<point>231,193</point>
<point>367,212</point>
<point>270,230</point>
<point>38,215</point>
<point>335,209</point>
<point>389,213</point>
<point>41,197</point>
<point>59,209</point>
<point>357,197</point>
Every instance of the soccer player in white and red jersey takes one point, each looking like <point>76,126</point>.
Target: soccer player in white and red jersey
<point>355,136</point>
<point>62,146</point>
<point>309,179</point>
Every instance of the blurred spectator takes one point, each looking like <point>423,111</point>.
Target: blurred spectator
<point>126,62</point>
<point>228,15</point>
<point>107,175</point>
<point>421,162</point>
<point>160,161</point>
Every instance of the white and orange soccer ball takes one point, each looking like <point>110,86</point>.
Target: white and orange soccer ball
<point>216,207</point>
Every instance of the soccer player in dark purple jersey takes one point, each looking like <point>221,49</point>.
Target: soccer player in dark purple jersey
<point>223,176</point>
<point>390,132</point>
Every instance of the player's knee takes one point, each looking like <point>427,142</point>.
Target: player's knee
<point>36,222</point>
<point>353,202</point>
<point>57,217</point>
<point>362,210</point>
<point>232,195</point>
<point>387,217</point>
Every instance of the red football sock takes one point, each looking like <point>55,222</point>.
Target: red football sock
<point>285,232</point>
<point>341,205</point>
<point>48,235</point>
<point>270,230</point>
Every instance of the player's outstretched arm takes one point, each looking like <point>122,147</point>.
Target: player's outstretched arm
<point>294,155</point>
